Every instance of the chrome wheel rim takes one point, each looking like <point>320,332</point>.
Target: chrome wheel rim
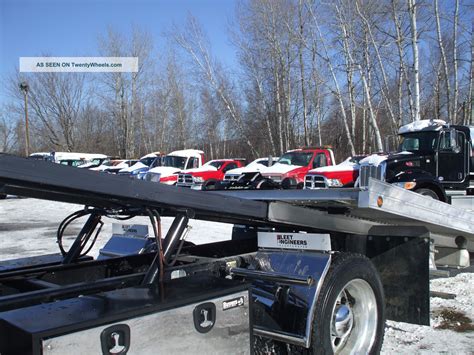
<point>354,319</point>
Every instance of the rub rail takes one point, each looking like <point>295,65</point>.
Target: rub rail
<point>272,276</point>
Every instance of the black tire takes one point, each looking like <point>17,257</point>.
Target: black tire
<point>428,193</point>
<point>353,281</point>
<point>3,196</point>
<point>209,185</point>
<point>263,184</point>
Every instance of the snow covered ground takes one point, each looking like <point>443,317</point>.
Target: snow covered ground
<point>28,227</point>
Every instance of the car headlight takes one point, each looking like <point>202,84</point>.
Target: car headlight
<point>198,179</point>
<point>334,183</point>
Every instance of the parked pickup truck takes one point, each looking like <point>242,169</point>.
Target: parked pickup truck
<point>295,164</point>
<point>258,165</point>
<point>116,166</point>
<point>174,163</point>
<point>145,162</point>
<point>208,174</point>
<point>341,175</point>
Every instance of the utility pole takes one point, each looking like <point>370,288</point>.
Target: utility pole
<point>24,87</point>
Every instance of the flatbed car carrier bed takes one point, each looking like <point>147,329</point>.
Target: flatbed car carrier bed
<point>311,271</point>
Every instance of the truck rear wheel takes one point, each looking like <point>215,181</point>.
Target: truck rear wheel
<point>350,313</point>
<point>428,193</point>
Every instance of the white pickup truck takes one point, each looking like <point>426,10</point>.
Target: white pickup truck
<point>255,166</point>
<point>173,164</point>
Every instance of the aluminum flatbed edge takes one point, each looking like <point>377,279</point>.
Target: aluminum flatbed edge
<point>350,210</point>
<point>380,204</point>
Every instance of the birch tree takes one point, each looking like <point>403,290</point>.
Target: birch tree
<point>193,41</point>
<point>385,89</point>
<point>337,90</point>
<point>403,76</point>
<point>455,61</point>
<point>445,63</point>
<point>414,40</point>
<point>363,76</point>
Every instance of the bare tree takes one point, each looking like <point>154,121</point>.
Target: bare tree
<point>192,40</point>
<point>471,79</point>
<point>414,39</point>
<point>363,76</point>
<point>403,72</point>
<point>302,70</point>
<point>7,132</point>
<point>125,93</point>
<point>455,61</point>
<point>385,89</point>
<point>55,104</point>
<point>444,61</point>
<point>337,90</point>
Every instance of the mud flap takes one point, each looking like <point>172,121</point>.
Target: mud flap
<point>401,255</point>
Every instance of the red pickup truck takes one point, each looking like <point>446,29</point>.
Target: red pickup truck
<point>208,174</point>
<point>341,175</point>
<point>295,164</point>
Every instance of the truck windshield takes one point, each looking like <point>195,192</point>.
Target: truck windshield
<point>175,162</point>
<point>296,158</point>
<point>147,161</point>
<point>419,141</point>
<point>217,164</point>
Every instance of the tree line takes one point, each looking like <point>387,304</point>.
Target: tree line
<point>345,73</point>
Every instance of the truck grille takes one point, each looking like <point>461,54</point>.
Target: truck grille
<point>276,178</point>
<point>314,182</point>
<point>185,180</point>
<point>231,177</point>
<point>371,171</point>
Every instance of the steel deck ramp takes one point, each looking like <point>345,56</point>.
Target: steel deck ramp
<point>379,203</point>
<point>352,210</point>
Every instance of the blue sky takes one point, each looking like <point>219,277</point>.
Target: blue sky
<point>72,27</point>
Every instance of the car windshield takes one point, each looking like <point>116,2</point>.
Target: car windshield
<point>419,141</point>
<point>175,162</point>
<point>262,162</point>
<point>97,161</point>
<point>216,164</point>
<point>147,161</point>
<point>72,162</point>
<point>156,162</point>
<point>296,158</point>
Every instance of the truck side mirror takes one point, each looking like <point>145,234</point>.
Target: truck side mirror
<point>453,137</point>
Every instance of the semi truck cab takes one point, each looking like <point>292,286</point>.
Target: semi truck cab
<point>433,158</point>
